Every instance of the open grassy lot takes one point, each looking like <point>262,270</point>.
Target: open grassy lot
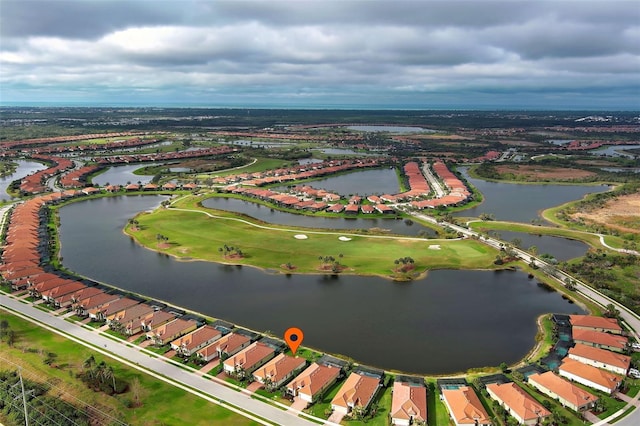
<point>196,235</point>
<point>161,402</point>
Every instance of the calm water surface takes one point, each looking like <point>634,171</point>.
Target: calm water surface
<point>365,182</point>
<point>560,248</point>
<point>122,175</point>
<point>450,321</point>
<point>23,169</point>
<point>520,202</point>
<point>616,151</point>
<point>266,214</point>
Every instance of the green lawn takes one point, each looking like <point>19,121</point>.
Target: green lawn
<point>437,413</point>
<point>162,403</point>
<point>322,407</point>
<point>381,417</point>
<point>194,235</point>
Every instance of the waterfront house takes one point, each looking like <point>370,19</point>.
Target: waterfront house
<point>598,339</point>
<point>82,307</point>
<point>352,209</point>
<point>279,370</point>
<point>196,340</point>
<point>408,404</point>
<point>130,315</point>
<point>590,322</point>
<point>231,344</point>
<point>588,375</point>
<point>151,321</point>
<point>600,358</point>
<point>465,407</point>
<point>172,330</point>
<point>313,381</point>
<point>66,300</point>
<point>132,187</point>
<point>568,394</point>
<point>83,294</point>
<point>248,360</point>
<point>357,391</point>
<point>112,308</point>
<point>61,290</point>
<point>518,403</point>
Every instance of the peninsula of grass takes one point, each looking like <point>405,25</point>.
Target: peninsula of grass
<point>193,232</point>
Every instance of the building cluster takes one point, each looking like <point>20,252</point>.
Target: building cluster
<point>595,361</point>
<point>15,145</point>
<point>79,149</point>
<point>298,172</point>
<point>457,191</point>
<point>165,156</point>
<point>591,351</point>
<point>305,197</point>
<point>36,182</point>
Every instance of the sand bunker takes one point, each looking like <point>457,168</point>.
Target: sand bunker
<point>344,238</point>
<point>434,247</point>
<point>300,237</point>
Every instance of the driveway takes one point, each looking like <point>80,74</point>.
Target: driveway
<point>335,418</point>
<point>298,404</point>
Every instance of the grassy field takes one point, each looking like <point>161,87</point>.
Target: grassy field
<point>162,403</point>
<point>195,235</point>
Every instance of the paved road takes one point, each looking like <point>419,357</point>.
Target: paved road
<point>433,181</point>
<point>631,319</point>
<point>172,374</point>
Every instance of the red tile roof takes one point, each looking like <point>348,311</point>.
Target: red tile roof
<point>409,402</point>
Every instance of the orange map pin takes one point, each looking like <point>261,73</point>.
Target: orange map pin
<point>293,336</point>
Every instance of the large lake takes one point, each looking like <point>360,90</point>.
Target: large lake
<point>522,202</point>
<point>447,322</point>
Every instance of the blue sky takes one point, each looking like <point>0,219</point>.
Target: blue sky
<point>329,53</point>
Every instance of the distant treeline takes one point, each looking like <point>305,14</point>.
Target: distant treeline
<point>61,121</point>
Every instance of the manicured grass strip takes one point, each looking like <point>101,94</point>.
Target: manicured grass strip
<point>437,413</point>
<point>322,408</point>
<point>625,414</point>
<point>162,402</point>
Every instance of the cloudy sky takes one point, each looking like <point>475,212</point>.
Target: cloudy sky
<point>324,53</point>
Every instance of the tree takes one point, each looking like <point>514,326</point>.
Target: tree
<point>4,327</point>
<point>504,367</point>
<point>611,311</point>
<point>89,365</point>
<point>136,392</point>
<point>11,338</point>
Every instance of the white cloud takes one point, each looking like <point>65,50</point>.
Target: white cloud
<point>365,48</point>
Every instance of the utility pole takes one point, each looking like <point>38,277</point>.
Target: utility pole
<point>24,398</point>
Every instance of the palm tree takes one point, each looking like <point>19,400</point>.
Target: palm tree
<point>108,374</point>
<point>611,311</point>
